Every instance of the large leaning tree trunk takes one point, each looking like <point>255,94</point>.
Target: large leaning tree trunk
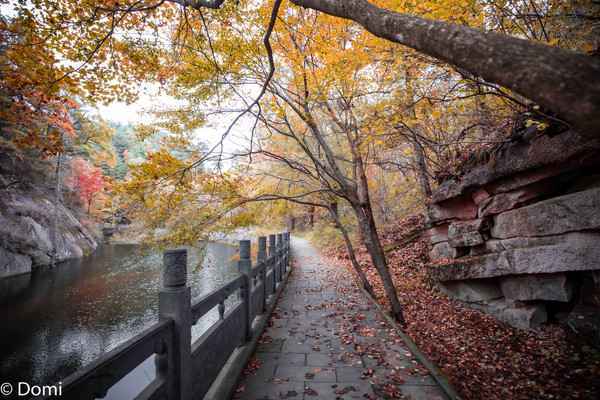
<point>563,81</point>
<point>351,254</point>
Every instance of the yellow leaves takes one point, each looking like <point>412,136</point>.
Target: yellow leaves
<point>160,165</point>
<point>468,12</point>
<point>145,131</point>
<point>588,47</point>
<point>436,113</point>
<point>540,126</point>
<point>554,41</point>
<point>179,204</point>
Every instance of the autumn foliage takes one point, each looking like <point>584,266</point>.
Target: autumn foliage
<point>86,180</point>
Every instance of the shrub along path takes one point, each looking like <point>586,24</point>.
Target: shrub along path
<point>326,340</point>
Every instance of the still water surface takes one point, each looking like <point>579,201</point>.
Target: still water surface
<point>54,321</point>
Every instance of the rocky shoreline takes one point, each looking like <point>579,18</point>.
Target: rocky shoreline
<point>27,233</point>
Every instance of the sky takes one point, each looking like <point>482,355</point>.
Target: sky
<point>150,98</point>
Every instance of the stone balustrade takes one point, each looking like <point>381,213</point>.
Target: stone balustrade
<point>186,369</point>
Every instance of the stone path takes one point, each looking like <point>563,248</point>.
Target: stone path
<point>326,341</point>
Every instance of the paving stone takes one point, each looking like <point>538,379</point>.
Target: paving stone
<point>350,374</point>
<point>281,332</point>
<point>281,358</point>
<point>337,391</point>
<point>423,392</point>
<point>329,342</point>
<point>255,390</point>
<point>313,374</point>
<point>333,360</point>
<point>293,346</point>
<point>270,347</point>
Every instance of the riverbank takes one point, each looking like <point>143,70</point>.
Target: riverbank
<point>34,232</point>
<point>37,227</point>
<point>482,357</point>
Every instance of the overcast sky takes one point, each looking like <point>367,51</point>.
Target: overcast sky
<point>210,134</point>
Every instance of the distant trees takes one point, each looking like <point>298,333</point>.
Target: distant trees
<point>86,180</point>
<point>121,143</point>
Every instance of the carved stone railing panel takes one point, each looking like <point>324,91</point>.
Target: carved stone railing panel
<point>214,298</point>
<point>94,380</point>
<point>211,351</point>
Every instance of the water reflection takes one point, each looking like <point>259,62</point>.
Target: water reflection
<point>57,320</point>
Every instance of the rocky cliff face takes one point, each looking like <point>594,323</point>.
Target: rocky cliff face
<point>27,221</point>
<point>519,237</point>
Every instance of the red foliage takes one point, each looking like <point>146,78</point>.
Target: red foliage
<point>86,179</point>
<point>483,358</point>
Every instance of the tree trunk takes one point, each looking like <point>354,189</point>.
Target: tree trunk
<point>355,264</point>
<point>421,168</point>
<point>563,81</point>
<point>420,163</point>
<point>57,196</point>
<point>370,237</point>
<point>382,197</point>
<point>366,222</point>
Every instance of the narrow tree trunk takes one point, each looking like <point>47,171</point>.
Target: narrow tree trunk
<point>368,230</point>
<point>421,168</point>
<point>370,237</point>
<point>563,81</point>
<point>420,164</point>
<point>57,196</point>
<point>350,249</point>
<point>382,197</point>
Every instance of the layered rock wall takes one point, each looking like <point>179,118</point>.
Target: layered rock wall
<point>519,236</point>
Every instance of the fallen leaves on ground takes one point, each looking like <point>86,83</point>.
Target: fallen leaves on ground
<point>252,366</point>
<point>310,392</point>
<point>483,358</point>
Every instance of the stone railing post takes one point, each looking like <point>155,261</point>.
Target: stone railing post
<point>287,251</point>
<point>280,256</point>
<point>262,256</point>
<point>245,266</point>
<point>284,256</point>
<point>175,364</point>
<point>273,255</point>
<point>284,268</point>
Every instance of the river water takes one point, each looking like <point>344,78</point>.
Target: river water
<point>56,320</point>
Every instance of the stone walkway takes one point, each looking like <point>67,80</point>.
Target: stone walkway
<point>327,341</point>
